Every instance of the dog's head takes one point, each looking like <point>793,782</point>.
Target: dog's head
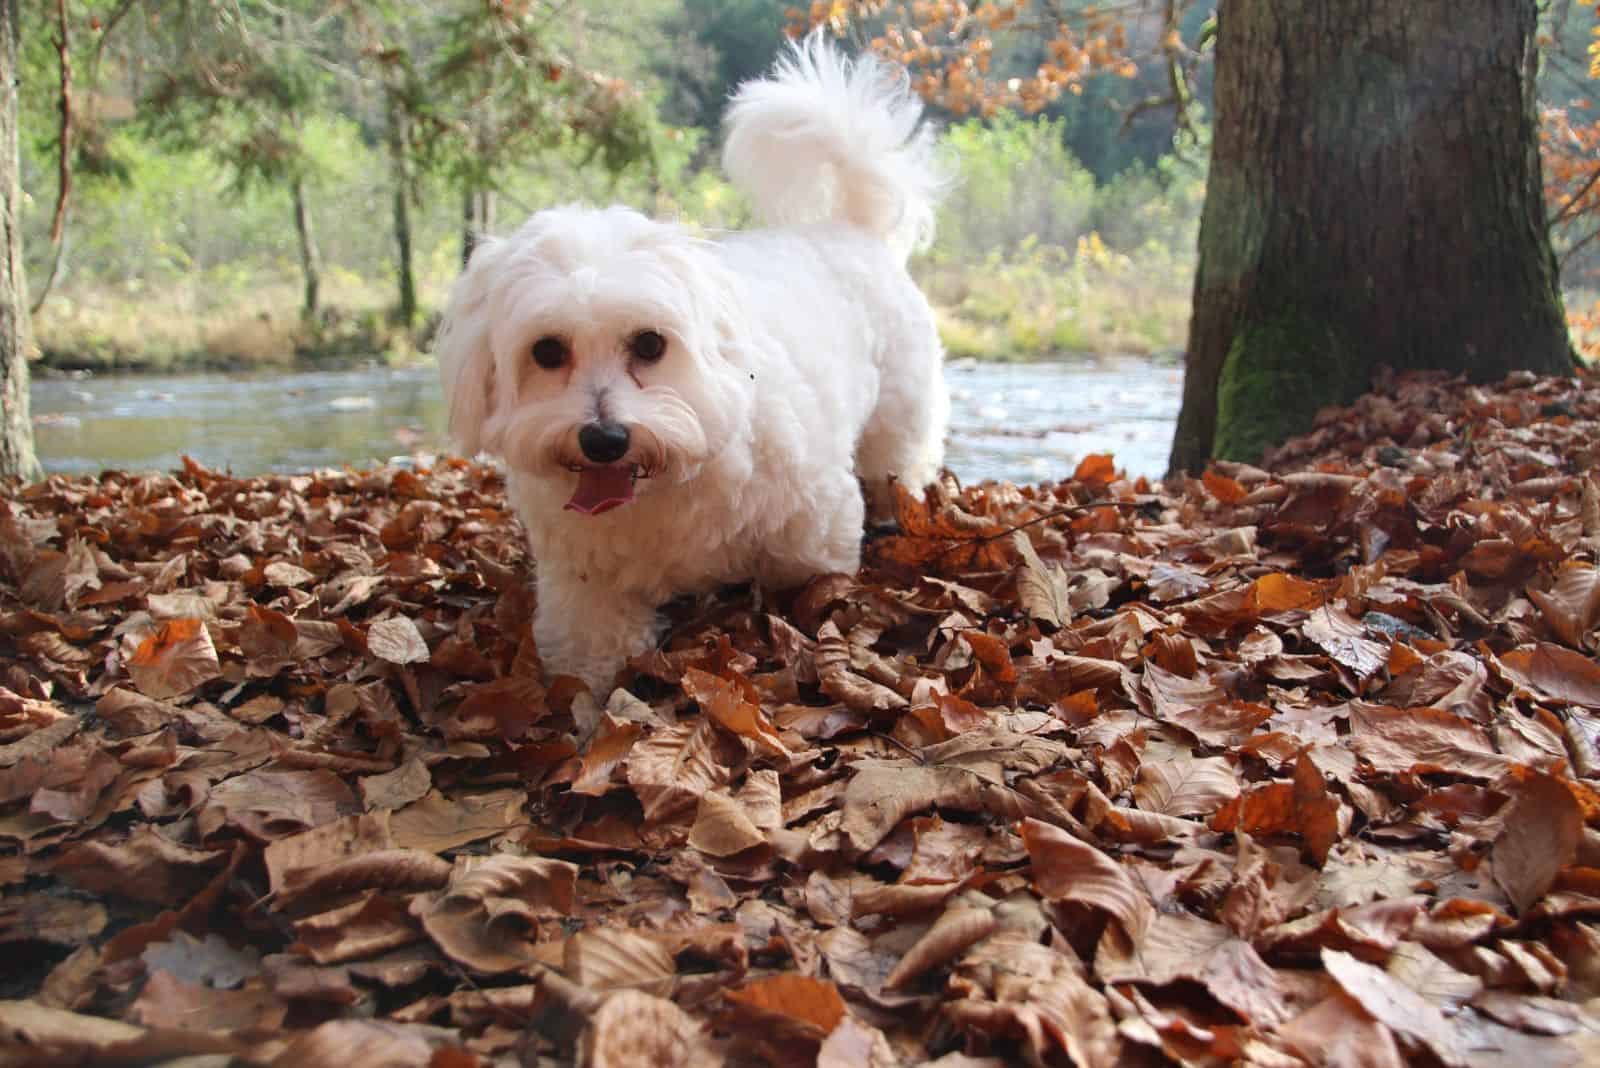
<point>595,348</point>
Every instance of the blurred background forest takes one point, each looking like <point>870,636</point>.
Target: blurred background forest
<point>221,151</point>
<point>263,184</point>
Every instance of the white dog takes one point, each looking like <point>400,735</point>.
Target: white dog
<point>676,413</point>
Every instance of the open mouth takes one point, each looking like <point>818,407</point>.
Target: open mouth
<point>601,489</point>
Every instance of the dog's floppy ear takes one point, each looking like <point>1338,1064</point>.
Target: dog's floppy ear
<point>466,359</point>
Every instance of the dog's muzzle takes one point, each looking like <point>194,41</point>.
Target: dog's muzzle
<point>603,441</point>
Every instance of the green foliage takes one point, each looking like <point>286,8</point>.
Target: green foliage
<point>1017,182</point>
<point>1033,259</point>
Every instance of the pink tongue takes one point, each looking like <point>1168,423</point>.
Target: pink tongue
<point>601,489</point>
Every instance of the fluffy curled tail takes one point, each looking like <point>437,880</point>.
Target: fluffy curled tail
<point>825,138</point>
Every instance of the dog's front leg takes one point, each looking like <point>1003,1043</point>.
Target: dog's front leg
<point>587,630</point>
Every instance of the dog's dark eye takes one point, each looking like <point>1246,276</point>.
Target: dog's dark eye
<point>647,345</point>
<point>550,352</point>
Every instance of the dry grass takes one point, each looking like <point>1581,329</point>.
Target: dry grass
<point>200,323</point>
<point>1047,302</point>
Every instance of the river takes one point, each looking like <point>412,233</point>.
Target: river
<point>1023,423</point>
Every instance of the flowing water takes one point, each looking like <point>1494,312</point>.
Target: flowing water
<point>1019,422</point>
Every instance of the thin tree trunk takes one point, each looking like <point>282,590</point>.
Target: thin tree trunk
<point>310,256</point>
<point>58,219</point>
<point>400,158</point>
<point>477,219</point>
<point>1374,199</point>
<point>16,426</point>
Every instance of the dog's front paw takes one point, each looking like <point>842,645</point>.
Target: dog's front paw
<point>590,635</point>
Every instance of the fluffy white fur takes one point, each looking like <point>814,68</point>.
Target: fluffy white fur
<point>798,359</point>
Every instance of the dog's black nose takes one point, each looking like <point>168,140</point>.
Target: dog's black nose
<point>603,441</point>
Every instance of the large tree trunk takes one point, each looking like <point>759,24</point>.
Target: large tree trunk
<point>16,427</point>
<point>400,158</point>
<point>1374,199</point>
<point>310,255</point>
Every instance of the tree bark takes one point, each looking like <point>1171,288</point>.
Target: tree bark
<point>400,159</point>
<point>17,457</point>
<point>310,255</point>
<point>1374,199</point>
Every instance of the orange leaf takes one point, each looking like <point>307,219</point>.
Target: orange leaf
<point>722,701</point>
<point>1223,488</point>
<point>174,660</point>
<point>799,998</point>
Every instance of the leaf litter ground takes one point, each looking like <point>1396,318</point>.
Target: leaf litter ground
<point>1297,765</point>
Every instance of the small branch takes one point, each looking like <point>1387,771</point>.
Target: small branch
<point>110,24</point>
<point>58,221</point>
<point>1587,239</point>
<point>1576,198</point>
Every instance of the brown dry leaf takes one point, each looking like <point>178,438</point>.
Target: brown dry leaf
<point>1572,605</point>
<point>962,925</point>
<point>882,794</point>
<point>271,804</point>
<point>723,701</point>
<point>34,1034</point>
<point>1539,838</point>
<point>267,638</point>
<point>175,660</point>
<point>1430,976</point>
<point>607,748</point>
<point>1418,740</point>
<point>1223,488</point>
<point>1009,985</point>
<point>854,1044</point>
<point>1187,786</point>
<point>505,708</point>
<point>147,866</point>
<point>168,1002</point>
<point>813,1006</point>
<point>608,958</point>
<point>342,1043</point>
<point>674,767</point>
<point>330,842</point>
<point>397,641</point>
<point>1338,1033</point>
<point>1178,946</point>
<point>489,916</point>
<point>937,534</point>
<point>1303,807</point>
<point>1044,592</point>
<point>632,1028</point>
<point>722,828</point>
<point>437,823</point>
<point>369,925</point>
<point>409,782</point>
<point>1344,639</point>
<point>1553,673</point>
<point>1066,869</point>
<point>1396,1005</point>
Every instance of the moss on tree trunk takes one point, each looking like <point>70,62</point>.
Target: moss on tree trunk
<point>1277,374</point>
<point>1375,200</point>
